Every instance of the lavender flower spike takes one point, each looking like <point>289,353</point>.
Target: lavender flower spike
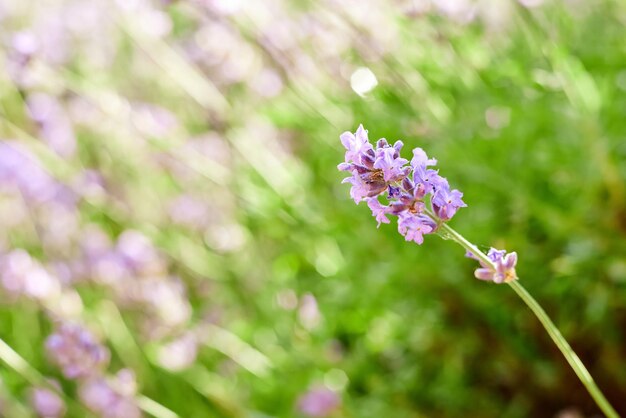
<point>408,186</point>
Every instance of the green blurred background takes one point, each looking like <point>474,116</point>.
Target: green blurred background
<point>212,129</point>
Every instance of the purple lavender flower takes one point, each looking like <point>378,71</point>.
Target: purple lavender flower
<point>388,160</point>
<point>365,185</point>
<point>76,351</point>
<point>427,178</point>
<point>413,227</point>
<point>379,170</point>
<point>319,402</point>
<point>504,271</point>
<point>446,203</point>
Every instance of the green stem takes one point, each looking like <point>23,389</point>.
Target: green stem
<point>572,358</point>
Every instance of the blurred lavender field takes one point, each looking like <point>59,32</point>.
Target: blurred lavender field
<point>175,240</point>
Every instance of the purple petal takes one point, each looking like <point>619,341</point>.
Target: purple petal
<point>379,211</point>
<point>421,159</point>
<point>483,274</point>
<point>510,260</point>
<point>347,140</point>
<point>345,166</point>
<point>495,255</point>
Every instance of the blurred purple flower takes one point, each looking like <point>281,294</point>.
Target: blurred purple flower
<point>113,397</point>
<point>167,299</point>
<point>20,169</point>
<point>109,268</point>
<point>76,351</point>
<point>47,403</point>
<point>22,275</point>
<point>180,353</point>
<point>139,253</point>
<point>55,126</point>
<point>319,402</point>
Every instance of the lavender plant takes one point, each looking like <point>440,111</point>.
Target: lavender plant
<point>423,203</point>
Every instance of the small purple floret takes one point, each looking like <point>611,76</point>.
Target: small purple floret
<point>504,271</point>
<point>446,202</point>
<point>428,178</point>
<point>413,227</point>
<point>388,160</point>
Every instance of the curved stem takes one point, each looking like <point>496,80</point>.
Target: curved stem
<point>569,354</point>
<point>572,358</point>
